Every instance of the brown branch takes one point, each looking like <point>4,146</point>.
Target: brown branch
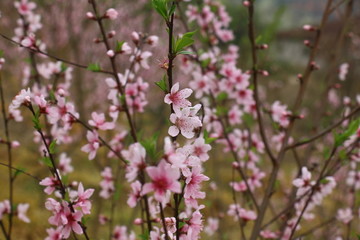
<point>114,69</point>
<point>300,95</point>
<point>9,155</point>
<point>324,132</point>
<point>50,55</point>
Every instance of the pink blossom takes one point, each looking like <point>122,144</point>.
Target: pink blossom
<point>185,122</point>
<point>98,121</point>
<point>200,149</point>
<point>135,194</point>
<point>156,235</point>
<point>54,234</point>
<point>304,183</point>
<point>163,178</point>
<point>64,164</point>
<point>71,222</point>
<point>21,212</point>
<point>111,13</point>
<point>152,40</point>
<point>24,7</point>
<point>267,234</point>
<point>353,179</point>
<point>343,71</point>
<point>345,215</point>
<point>212,226</point>
<point>136,157</point>
<point>51,183</point>
<point>280,114</point>
<point>235,115</point>
<point>82,200</point>
<point>201,84</point>
<point>120,233</point>
<point>107,183</point>
<point>178,98</point>
<point>193,181</point>
<point>22,98</point>
<point>141,59</point>
<point>93,144</point>
<point>5,208</point>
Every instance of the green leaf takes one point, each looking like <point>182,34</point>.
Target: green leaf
<point>84,220</point>
<point>36,120</point>
<point>186,53</point>
<point>18,171</point>
<point>184,42</point>
<point>221,111</point>
<point>52,97</point>
<point>150,145</point>
<point>46,161</point>
<point>172,9</point>
<point>161,7</point>
<point>63,67</point>
<point>162,84</point>
<point>258,39</point>
<point>222,96</point>
<point>144,236</point>
<point>248,119</point>
<point>181,224</point>
<point>94,67</point>
<point>208,139</point>
<point>1,53</point>
<point>341,138</point>
<point>205,62</point>
<point>52,146</point>
<point>119,45</point>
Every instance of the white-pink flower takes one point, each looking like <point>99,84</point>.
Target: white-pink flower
<point>82,200</point>
<point>141,59</point>
<point>21,212</point>
<point>107,183</point>
<point>93,144</point>
<point>51,183</point>
<point>304,183</point>
<point>135,194</point>
<point>111,13</point>
<point>22,98</point>
<point>98,121</point>
<point>344,215</point>
<point>24,7</point>
<point>185,122</point>
<point>136,157</point>
<point>164,178</point>
<point>178,98</point>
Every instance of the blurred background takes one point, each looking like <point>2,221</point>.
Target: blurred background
<point>69,35</point>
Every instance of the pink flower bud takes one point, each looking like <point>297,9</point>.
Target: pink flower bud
<point>61,92</point>
<point>27,42</point>
<point>111,34</point>
<point>2,60</point>
<point>111,13</point>
<point>135,37</point>
<point>309,28</point>
<point>307,43</point>
<point>246,3</point>
<point>299,76</point>
<point>15,144</point>
<point>152,40</point>
<point>264,73</point>
<point>235,165</point>
<point>90,15</point>
<point>110,53</point>
<point>138,221</point>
